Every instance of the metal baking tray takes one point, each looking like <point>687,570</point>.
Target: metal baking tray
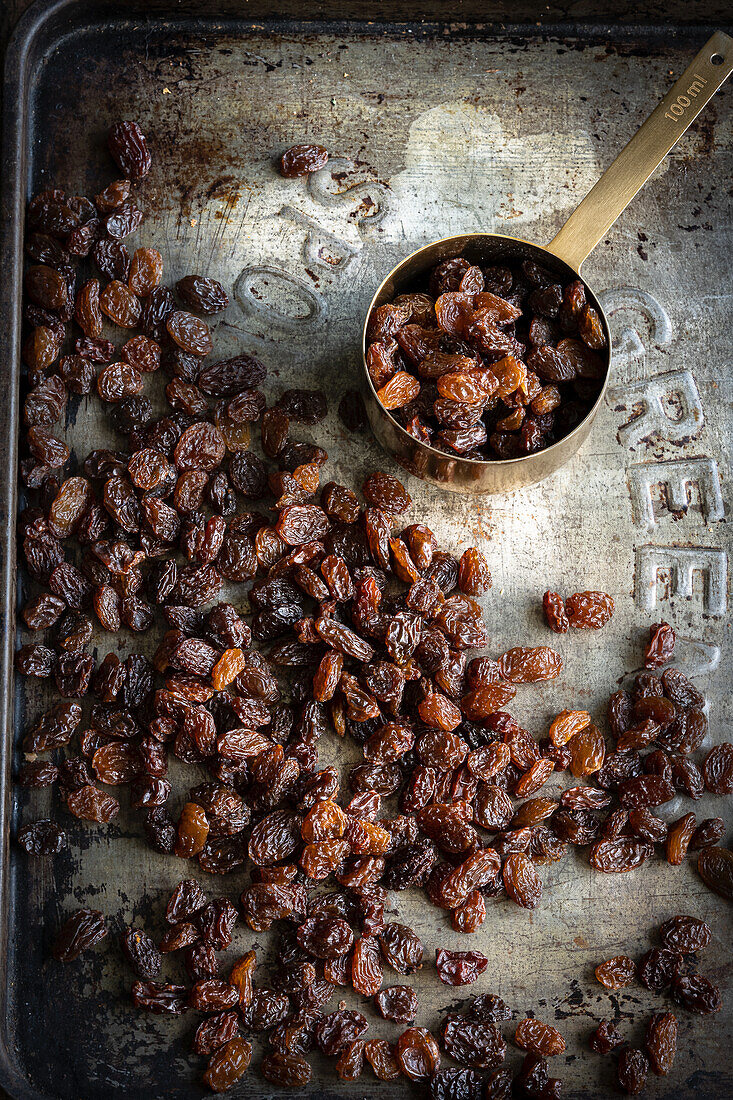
<point>433,129</point>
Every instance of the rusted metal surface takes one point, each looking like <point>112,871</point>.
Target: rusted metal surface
<point>430,135</point>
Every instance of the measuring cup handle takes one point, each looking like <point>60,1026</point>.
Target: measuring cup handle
<point>635,163</point>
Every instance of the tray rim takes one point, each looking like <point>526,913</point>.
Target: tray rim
<point>11,228</point>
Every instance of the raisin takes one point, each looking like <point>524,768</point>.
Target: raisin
<point>381,1057</point>
<point>83,929</point>
<point>189,332</point>
<point>334,1031</point>
<point>202,293</point>
<point>463,1084</point>
<point>477,1044</point>
<point>114,195</point>
<point>304,406</point>
<point>620,855</point>
<point>680,690</point>
<point>661,1042</point>
<point>301,160</point>
<point>587,751</point>
<point>470,914</point>
<point>661,646</point>
<point>538,1038</point>
<point>386,492</point>
<point>45,250</point>
<point>92,804</point>
<point>213,995</point>
<point>214,1032</point>
<point>617,972</point>
<point>474,577</point>
<point>678,838</point>
<point>499,1085</point>
<point>567,725</point>
<point>141,353</point>
<point>231,376</point>
<point>605,1038</point>
<point>488,1008</point>
<point>38,773</point>
<point>350,1062</point>
<point>146,271</point>
<point>46,448</point>
<point>708,833</point>
<point>417,1053</point>
<point>589,609</point>
<point>521,881</point>
<point>397,1003</point>
<point>289,1070</point>
<point>645,790</point>
<point>120,304</point>
<point>527,665</point>
<point>401,948</point>
<point>590,328</point>
<point>35,660</point>
<point>129,149</point>
<point>717,769</point>
<point>113,261</point>
<point>40,350</point>
<point>160,998</point>
<point>459,967</point>
<point>399,391</point>
<point>325,937</point>
<point>646,826</point>
<point>178,937</point>
<point>227,1064</point>
<point>366,967</point>
<point>155,310</point>
<point>46,287</point>
<point>632,1070</point>
<point>117,381</point>
<point>45,403</point>
<point>42,838</point>
<point>141,953</point>
<point>657,968</point>
<point>555,614</point>
<point>193,830</point>
<point>696,994</point>
<point>200,447</point>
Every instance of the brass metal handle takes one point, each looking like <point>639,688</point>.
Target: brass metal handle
<point>635,163</point>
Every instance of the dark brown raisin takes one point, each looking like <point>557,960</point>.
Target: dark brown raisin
<point>301,160</point>
<point>129,149</point>
<point>83,929</point>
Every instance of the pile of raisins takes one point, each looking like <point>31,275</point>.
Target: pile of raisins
<point>659,969</point>
<point>357,624</point>
<point>488,362</point>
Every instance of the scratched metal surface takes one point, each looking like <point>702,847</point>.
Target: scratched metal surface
<point>429,136</point>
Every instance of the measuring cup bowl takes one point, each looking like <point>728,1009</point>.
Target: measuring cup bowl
<point>563,256</point>
<point>465,475</point>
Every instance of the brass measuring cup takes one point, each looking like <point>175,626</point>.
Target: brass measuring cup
<point>564,255</point>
